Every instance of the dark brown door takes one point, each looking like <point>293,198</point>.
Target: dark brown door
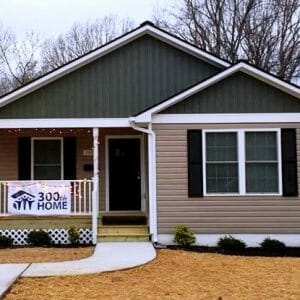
<point>124,174</point>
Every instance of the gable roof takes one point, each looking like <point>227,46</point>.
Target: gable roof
<point>241,66</point>
<point>143,29</point>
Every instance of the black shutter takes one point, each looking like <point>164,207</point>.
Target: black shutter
<point>289,162</point>
<point>195,180</point>
<point>69,158</point>
<point>24,158</point>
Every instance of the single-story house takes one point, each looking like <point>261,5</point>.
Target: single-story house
<point>147,132</point>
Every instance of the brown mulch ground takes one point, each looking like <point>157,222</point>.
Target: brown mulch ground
<point>33,255</point>
<point>176,275</point>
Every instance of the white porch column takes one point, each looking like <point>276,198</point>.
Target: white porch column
<point>95,208</point>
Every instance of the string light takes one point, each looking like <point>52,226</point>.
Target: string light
<point>51,131</point>
<point>50,186</point>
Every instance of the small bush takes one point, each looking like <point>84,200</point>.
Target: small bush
<point>73,236</point>
<point>229,244</point>
<point>39,238</point>
<point>273,246</point>
<point>5,241</point>
<point>184,236</point>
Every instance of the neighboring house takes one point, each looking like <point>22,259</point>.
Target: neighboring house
<point>147,132</point>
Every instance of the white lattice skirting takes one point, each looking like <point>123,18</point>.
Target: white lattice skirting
<point>58,236</point>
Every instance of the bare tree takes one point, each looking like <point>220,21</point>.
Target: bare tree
<point>81,39</point>
<point>265,32</point>
<point>18,61</point>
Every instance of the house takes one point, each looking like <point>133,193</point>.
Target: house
<point>147,132</point>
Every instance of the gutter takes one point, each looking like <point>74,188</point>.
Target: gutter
<point>151,175</point>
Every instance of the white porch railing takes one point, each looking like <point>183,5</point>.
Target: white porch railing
<point>81,196</point>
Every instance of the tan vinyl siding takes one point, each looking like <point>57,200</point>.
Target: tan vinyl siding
<point>9,150</point>
<point>8,156</point>
<point>248,214</point>
<point>84,141</point>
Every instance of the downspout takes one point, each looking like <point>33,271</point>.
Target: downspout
<point>151,176</point>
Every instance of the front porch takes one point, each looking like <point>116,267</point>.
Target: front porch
<point>103,172</point>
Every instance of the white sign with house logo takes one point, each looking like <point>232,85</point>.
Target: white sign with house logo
<point>41,198</point>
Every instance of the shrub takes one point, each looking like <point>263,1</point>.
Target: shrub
<point>73,236</point>
<point>184,236</point>
<point>229,244</point>
<point>273,246</point>
<point>39,238</point>
<point>5,241</point>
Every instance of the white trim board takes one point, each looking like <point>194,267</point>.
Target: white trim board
<point>252,240</point>
<point>65,123</point>
<point>115,44</point>
<point>226,118</point>
<point>142,167</point>
<point>157,119</point>
<point>239,67</point>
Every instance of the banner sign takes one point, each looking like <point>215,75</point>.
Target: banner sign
<point>44,198</point>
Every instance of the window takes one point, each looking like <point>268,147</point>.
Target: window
<point>261,162</point>
<point>221,163</point>
<point>242,162</point>
<point>47,159</point>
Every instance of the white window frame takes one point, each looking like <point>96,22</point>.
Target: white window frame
<point>61,154</point>
<point>241,148</point>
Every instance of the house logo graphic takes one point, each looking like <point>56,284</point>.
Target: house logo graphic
<point>23,200</point>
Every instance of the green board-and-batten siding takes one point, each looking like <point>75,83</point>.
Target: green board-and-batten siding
<point>120,84</point>
<point>239,93</point>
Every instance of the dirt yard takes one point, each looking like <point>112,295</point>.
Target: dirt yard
<point>176,275</point>
<point>32,255</point>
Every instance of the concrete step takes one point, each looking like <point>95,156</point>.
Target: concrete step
<point>123,237</point>
<point>123,233</point>
<point>123,229</point>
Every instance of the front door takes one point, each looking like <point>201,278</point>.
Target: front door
<point>124,174</point>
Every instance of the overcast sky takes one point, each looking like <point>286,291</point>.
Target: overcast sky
<point>51,17</point>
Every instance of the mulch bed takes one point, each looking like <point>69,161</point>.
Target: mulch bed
<point>249,251</point>
<point>176,275</point>
<point>43,254</point>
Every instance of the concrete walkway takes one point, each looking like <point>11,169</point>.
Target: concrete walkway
<point>107,257</point>
<point>8,274</point>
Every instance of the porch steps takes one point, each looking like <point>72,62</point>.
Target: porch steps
<point>123,219</point>
<point>123,233</point>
